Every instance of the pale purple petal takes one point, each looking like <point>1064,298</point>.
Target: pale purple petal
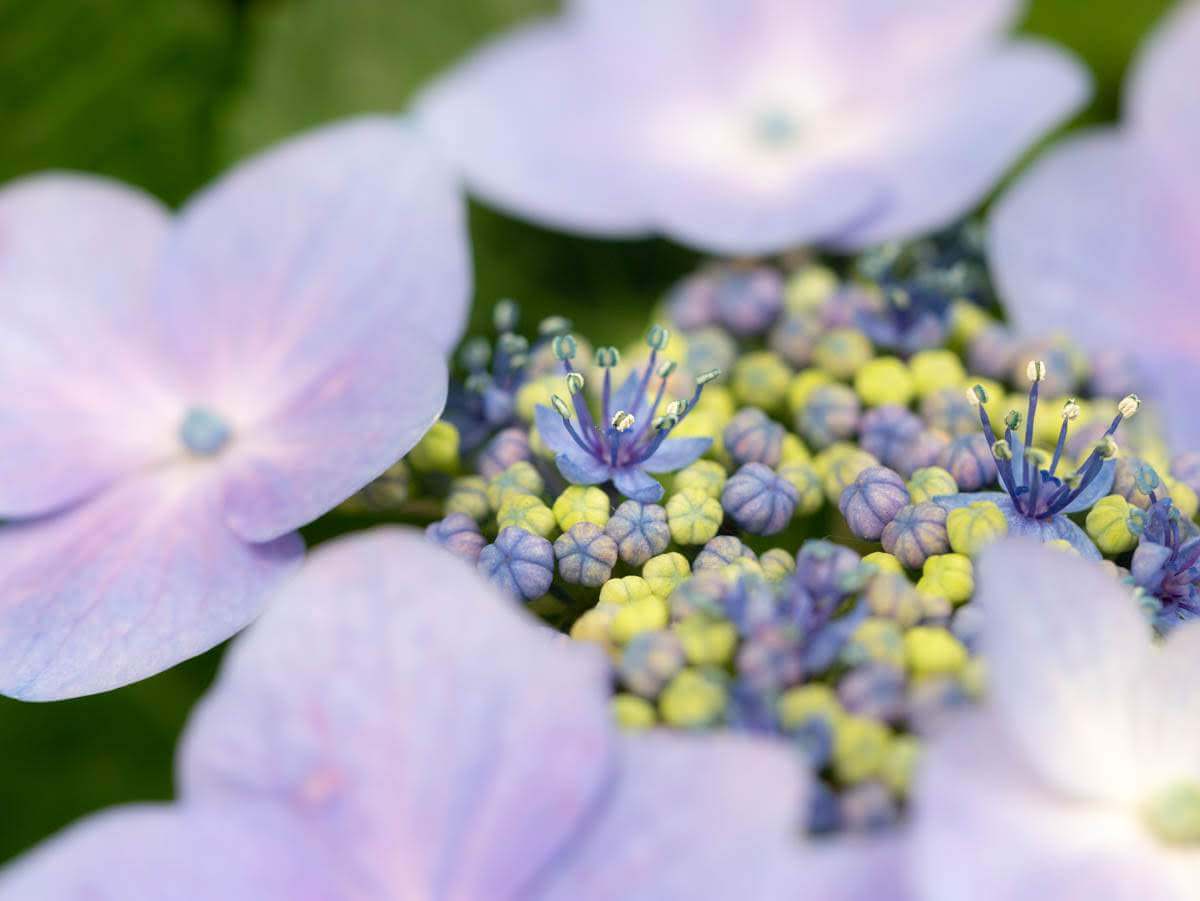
<point>1056,528</point>
<point>966,498</point>
<point>159,853</point>
<point>309,254</point>
<point>1091,242</point>
<point>857,868</point>
<point>986,828</point>
<point>689,817</point>
<point>1098,488</point>
<point>553,432</point>
<point>134,581</point>
<point>1169,713</point>
<point>82,401</point>
<point>1163,96</point>
<point>533,134</point>
<point>1065,645</point>
<point>676,453</point>
<point>968,130</point>
<point>636,485</point>
<point>345,428</point>
<point>581,468</point>
<point>455,759</point>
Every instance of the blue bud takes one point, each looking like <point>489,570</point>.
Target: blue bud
<point>519,563</point>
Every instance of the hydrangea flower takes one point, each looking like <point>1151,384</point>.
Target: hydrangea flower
<point>1166,562</point>
<point>1081,779</point>
<point>631,439</point>
<point>1098,238</point>
<point>1036,500</point>
<point>183,393</point>
<point>753,127</point>
<point>392,728</point>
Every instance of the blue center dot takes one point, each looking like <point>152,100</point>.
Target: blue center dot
<point>776,128</point>
<point>203,432</point>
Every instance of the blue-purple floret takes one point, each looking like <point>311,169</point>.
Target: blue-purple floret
<point>1036,501</point>
<point>519,563</point>
<point>759,500</point>
<point>1166,563</point>
<point>872,500</point>
<point>629,441</point>
<point>721,551</point>
<point>969,459</point>
<point>508,446</point>
<point>459,534</point>
<point>649,660</point>
<point>916,533</point>
<point>640,531</point>
<point>830,413</point>
<point>748,299</point>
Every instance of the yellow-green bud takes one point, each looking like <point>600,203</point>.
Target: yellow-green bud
<point>692,700</point>
<point>1108,525</point>
<point>521,478</point>
<point>438,450</point>
<point>468,494</point>
<point>929,482</point>
<point>900,764</point>
<point>974,527</point>
<point>841,352</point>
<point>525,511</point>
<point>705,642</point>
<point>693,516</point>
<point>885,562</point>
<point>777,564</point>
<point>796,705</point>
<point>933,370</point>
<point>703,475</point>
<point>804,384</point>
<point>950,576</point>
<point>644,614</point>
<point>666,572</point>
<point>633,713</point>
<point>860,747</point>
<point>760,379</point>
<point>884,380</point>
<point>579,503</point>
<point>624,590</point>
<point>933,651</point>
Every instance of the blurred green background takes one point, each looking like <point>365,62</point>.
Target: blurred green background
<point>165,94</point>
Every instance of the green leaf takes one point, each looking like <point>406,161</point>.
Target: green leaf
<point>122,87</point>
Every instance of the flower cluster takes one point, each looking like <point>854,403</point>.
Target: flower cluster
<point>769,519</point>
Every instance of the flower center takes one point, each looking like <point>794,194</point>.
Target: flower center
<point>203,432</point>
<point>1173,814</point>
<point>776,128</point>
<point>1037,492</point>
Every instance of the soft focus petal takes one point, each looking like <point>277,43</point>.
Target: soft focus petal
<point>581,468</point>
<point>147,853</point>
<point>305,256</point>
<point>344,429</point>
<point>637,486</point>
<point>134,581</point>
<point>857,868</point>
<point>987,829</point>
<point>454,759</point>
<point>958,142</point>
<point>1169,711</point>
<point>1093,243</point>
<point>676,453</point>
<point>690,817</point>
<point>553,433</point>
<point>93,240</point>
<point>1164,96</point>
<point>532,135</point>
<point>81,404</point>
<point>1065,645</point>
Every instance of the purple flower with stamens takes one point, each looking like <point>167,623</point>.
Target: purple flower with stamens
<point>392,728</point>
<point>1166,563</point>
<point>753,127</point>
<point>630,440</point>
<point>1098,239</point>
<point>1036,500</point>
<point>182,394</point>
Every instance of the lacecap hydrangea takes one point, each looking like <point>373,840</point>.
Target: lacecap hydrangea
<point>768,511</point>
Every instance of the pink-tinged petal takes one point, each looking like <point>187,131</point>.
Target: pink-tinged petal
<point>972,125</point>
<point>415,720</point>
<point>534,129</point>
<point>160,853</point>
<point>985,827</point>
<point>1089,243</point>
<point>344,429</point>
<point>141,577</point>
<point>1065,645</point>
<point>93,240</point>
<point>1164,96</point>
<point>81,402</point>
<point>1168,714</point>
<point>713,817</point>
<point>344,237</point>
